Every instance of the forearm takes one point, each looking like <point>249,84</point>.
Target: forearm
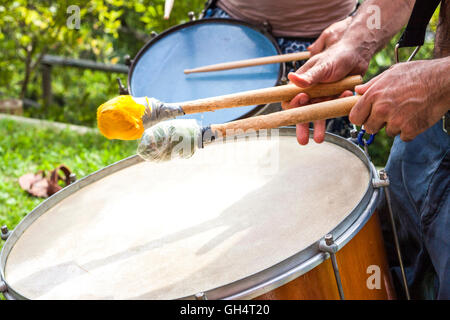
<point>364,34</point>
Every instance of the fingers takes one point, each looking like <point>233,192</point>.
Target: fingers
<point>362,88</point>
<point>302,133</point>
<point>346,93</point>
<point>360,112</point>
<point>319,131</point>
<point>392,130</point>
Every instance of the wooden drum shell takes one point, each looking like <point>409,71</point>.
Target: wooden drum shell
<point>364,250</point>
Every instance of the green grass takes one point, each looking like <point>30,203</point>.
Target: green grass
<point>26,148</point>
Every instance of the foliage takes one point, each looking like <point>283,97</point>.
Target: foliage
<point>28,148</point>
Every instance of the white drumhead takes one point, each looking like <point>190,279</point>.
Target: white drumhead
<point>170,230</point>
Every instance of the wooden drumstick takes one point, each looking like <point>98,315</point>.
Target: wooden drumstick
<point>167,140</point>
<point>126,117</point>
<point>168,5</point>
<point>319,111</point>
<point>304,55</point>
<point>269,95</point>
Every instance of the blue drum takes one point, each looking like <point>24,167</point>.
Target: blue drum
<point>157,70</point>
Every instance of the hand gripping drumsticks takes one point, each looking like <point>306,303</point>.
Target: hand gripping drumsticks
<point>297,56</point>
<point>126,117</point>
<point>180,138</point>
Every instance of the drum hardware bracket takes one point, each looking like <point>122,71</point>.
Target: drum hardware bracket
<point>328,245</point>
<point>267,27</point>
<point>383,182</point>
<point>5,233</point>
<point>153,34</point>
<point>72,177</point>
<point>122,89</point>
<point>191,15</point>
<point>200,296</point>
<point>128,60</point>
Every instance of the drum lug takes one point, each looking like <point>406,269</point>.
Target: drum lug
<point>191,15</point>
<point>200,296</point>
<point>72,177</point>
<point>267,27</point>
<point>382,180</point>
<point>122,89</point>
<point>5,233</point>
<point>128,60</point>
<point>328,245</point>
<point>284,80</point>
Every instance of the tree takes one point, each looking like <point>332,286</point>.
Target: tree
<point>31,29</point>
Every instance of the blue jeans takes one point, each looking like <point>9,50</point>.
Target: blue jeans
<point>419,174</point>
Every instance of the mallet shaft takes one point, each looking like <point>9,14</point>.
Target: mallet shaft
<point>319,111</point>
<point>269,95</point>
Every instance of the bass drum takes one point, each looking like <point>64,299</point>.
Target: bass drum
<point>238,220</point>
<point>157,70</point>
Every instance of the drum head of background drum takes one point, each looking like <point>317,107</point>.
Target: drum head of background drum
<point>157,70</point>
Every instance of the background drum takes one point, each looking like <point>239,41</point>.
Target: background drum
<point>243,219</point>
<point>157,70</point>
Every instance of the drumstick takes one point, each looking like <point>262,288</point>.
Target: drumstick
<point>180,138</point>
<point>304,55</point>
<point>125,117</point>
<point>168,5</point>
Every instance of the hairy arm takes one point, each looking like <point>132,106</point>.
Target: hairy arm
<point>408,98</point>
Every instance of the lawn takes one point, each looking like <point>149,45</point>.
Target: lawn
<point>26,148</point>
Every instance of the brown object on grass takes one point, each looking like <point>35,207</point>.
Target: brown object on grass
<point>39,185</point>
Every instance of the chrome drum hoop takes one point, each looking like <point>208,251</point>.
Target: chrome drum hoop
<point>251,286</point>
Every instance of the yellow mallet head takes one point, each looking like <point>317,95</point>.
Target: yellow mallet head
<point>121,118</point>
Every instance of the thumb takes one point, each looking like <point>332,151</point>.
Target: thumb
<point>362,88</point>
<point>318,73</point>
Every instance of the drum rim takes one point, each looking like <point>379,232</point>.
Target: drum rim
<point>163,34</point>
<point>252,285</point>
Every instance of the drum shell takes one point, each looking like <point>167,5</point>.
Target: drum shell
<point>296,267</point>
<point>364,250</point>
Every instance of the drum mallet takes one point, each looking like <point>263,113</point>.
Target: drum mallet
<point>296,56</point>
<point>181,138</point>
<point>126,117</point>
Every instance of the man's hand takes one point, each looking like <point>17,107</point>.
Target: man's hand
<point>346,48</point>
<point>331,65</point>
<point>302,129</point>
<point>408,98</point>
<point>330,36</point>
